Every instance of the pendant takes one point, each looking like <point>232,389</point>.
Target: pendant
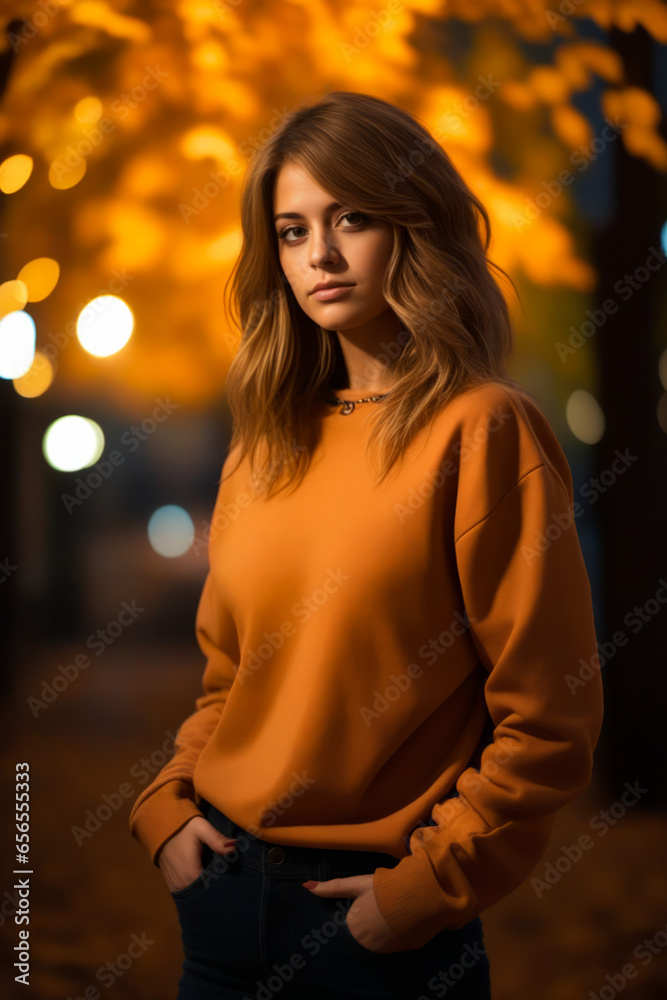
<point>347,408</point>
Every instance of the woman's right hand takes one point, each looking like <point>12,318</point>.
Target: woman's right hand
<point>179,859</point>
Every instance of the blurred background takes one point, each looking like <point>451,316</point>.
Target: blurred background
<point>124,133</point>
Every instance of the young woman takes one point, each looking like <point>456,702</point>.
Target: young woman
<point>396,609</point>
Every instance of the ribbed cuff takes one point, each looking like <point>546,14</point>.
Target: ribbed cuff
<point>414,903</point>
<point>410,899</point>
<point>162,814</point>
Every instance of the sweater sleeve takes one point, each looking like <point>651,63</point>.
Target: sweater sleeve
<point>527,595</point>
<point>166,805</point>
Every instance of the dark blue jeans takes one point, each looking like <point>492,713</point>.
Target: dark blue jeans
<point>250,931</point>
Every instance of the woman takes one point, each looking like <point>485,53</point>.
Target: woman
<point>396,594</point>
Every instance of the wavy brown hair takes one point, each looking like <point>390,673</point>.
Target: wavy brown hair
<point>456,326</point>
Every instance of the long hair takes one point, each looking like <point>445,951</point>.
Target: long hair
<point>456,326</point>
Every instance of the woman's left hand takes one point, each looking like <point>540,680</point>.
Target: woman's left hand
<point>364,919</point>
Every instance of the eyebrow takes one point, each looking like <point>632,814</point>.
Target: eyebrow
<point>297,215</point>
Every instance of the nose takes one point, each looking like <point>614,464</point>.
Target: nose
<point>322,251</point>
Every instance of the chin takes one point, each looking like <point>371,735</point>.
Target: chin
<point>345,322</point>
<point>347,319</point>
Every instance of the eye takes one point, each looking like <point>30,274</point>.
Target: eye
<point>282,235</point>
<point>360,215</point>
<point>288,229</point>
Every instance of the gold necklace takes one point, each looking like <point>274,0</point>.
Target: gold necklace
<point>349,404</point>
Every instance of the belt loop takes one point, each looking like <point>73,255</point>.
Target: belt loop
<point>222,822</point>
<point>323,868</point>
<point>234,828</point>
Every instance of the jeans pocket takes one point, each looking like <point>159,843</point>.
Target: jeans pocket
<point>214,865</point>
<point>349,936</point>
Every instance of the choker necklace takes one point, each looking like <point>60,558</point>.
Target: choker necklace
<point>349,404</point>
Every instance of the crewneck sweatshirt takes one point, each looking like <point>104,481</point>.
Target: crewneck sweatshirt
<point>408,668</point>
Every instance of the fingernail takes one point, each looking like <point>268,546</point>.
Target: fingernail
<point>229,843</point>
<point>310,885</point>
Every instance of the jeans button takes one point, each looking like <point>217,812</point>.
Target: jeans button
<point>276,855</point>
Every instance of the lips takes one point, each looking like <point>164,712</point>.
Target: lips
<point>331,294</point>
<point>328,287</point>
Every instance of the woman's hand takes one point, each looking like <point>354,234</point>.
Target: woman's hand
<point>364,919</point>
<point>179,859</point>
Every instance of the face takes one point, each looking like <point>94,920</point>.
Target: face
<point>323,242</point>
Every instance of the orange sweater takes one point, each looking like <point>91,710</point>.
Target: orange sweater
<point>367,646</point>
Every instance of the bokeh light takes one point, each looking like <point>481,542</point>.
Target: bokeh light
<point>171,531</point>
<point>17,343</point>
<point>105,325</point>
<point>14,172</point>
<point>88,110</point>
<point>37,379</point>
<point>40,277</point>
<point>72,442</point>
<point>13,295</point>
<point>662,368</point>
<point>67,170</point>
<point>585,417</point>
